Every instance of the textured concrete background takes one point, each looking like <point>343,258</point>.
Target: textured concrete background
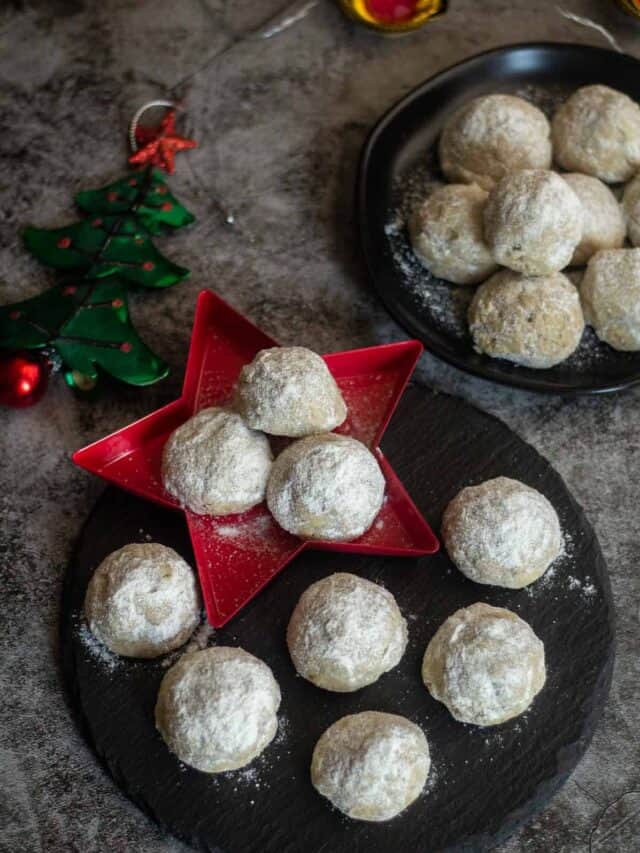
<point>280,124</point>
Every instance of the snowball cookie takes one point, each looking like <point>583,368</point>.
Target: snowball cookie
<point>603,225</point>
<point>530,320</point>
<point>610,292</point>
<point>345,632</point>
<point>446,234</point>
<point>142,601</point>
<point>371,765</point>
<point>216,708</point>
<point>215,464</point>
<point>533,222</point>
<point>289,391</point>
<point>597,131</point>
<point>325,487</point>
<point>485,664</point>
<point>492,136</point>
<point>631,208</point>
<point>502,533</point>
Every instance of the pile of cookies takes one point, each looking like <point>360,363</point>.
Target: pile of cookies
<point>512,225</point>
<point>322,486</point>
<point>217,708</point>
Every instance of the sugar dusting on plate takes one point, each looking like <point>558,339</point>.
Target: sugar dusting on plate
<point>110,662</point>
<point>258,775</point>
<point>97,650</point>
<point>444,305</point>
<point>561,579</point>
<point>201,638</point>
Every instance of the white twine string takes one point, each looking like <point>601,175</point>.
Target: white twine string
<point>587,22</point>
<point>283,20</point>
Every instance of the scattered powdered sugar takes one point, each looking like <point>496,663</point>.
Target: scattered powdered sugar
<point>98,651</point>
<point>546,580</point>
<point>590,352</point>
<point>368,397</point>
<point>256,774</point>
<point>584,586</point>
<point>562,577</point>
<point>444,304</point>
<point>432,779</point>
<point>228,531</point>
<point>246,528</point>
<point>202,637</point>
<point>247,776</point>
<point>282,735</point>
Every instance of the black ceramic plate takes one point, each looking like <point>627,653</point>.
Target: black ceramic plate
<point>400,159</point>
<point>484,782</point>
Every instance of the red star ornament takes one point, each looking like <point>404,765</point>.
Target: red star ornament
<point>239,554</point>
<point>159,145</point>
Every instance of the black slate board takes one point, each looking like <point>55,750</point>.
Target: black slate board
<point>400,156</point>
<point>484,781</point>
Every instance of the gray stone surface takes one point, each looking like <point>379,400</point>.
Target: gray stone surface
<point>280,124</point>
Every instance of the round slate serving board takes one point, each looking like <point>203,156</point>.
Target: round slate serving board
<point>484,782</point>
<point>399,165</point>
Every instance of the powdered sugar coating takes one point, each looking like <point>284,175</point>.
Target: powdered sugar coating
<point>603,225</point>
<point>214,464</point>
<point>485,664</point>
<point>345,632</point>
<point>610,293</point>
<point>447,234</point>
<point>502,533</point>
<point>326,487</point>
<point>536,321</point>
<point>371,765</point>
<point>533,222</point>
<point>597,131</point>
<point>631,208</point>
<point>492,136</point>
<point>289,391</point>
<point>143,601</point>
<point>216,708</point>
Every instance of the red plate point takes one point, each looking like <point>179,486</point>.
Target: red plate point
<point>237,555</point>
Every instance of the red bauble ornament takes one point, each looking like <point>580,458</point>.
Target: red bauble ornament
<point>24,377</point>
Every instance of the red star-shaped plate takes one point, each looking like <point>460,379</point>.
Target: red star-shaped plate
<point>237,555</point>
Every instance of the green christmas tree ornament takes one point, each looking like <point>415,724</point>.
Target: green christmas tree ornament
<point>83,321</point>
